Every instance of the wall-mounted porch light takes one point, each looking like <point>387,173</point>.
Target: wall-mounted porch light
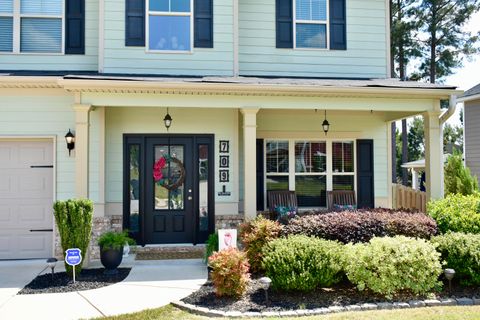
<point>70,139</point>
<point>167,120</point>
<point>325,124</point>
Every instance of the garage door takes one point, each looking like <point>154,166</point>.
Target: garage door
<point>26,196</point>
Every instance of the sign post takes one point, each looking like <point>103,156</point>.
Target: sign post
<point>227,238</point>
<point>73,257</point>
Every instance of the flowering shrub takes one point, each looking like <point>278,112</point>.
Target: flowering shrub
<point>461,252</point>
<point>389,265</point>
<point>254,235</point>
<point>302,263</point>
<point>229,272</point>
<point>362,225</point>
<point>456,213</point>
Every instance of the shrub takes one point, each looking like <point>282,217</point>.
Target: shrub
<point>461,252</point>
<point>254,235</point>
<point>456,213</point>
<point>389,265</point>
<point>211,245</point>
<point>302,263</point>
<point>229,272</point>
<point>114,240</point>
<point>362,225</point>
<point>458,178</point>
<point>74,223</point>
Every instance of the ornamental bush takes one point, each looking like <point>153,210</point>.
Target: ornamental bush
<point>362,225</point>
<point>458,178</point>
<point>254,235</point>
<point>456,213</point>
<point>74,222</point>
<point>302,263</point>
<point>461,252</point>
<point>389,265</point>
<point>229,272</point>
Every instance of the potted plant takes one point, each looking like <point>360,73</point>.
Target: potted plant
<point>111,249</point>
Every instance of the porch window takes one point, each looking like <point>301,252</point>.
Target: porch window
<point>170,25</point>
<point>310,168</point>
<point>311,24</point>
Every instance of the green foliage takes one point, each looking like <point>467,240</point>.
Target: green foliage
<point>390,265</point>
<point>456,213</point>
<point>302,263</point>
<point>74,223</point>
<point>211,245</point>
<point>461,252</point>
<point>254,235</point>
<point>114,240</point>
<point>458,178</point>
<point>229,272</point>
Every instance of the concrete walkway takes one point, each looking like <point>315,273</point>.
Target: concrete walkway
<point>150,284</point>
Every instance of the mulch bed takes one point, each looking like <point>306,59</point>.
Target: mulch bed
<point>61,282</point>
<point>342,294</point>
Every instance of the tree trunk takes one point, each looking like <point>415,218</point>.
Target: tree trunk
<point>433,45</point>
<point>392,57</point>
<point>404,152</point>
<point>394,152</point>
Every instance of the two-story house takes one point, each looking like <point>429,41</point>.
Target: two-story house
<point>186,112</point>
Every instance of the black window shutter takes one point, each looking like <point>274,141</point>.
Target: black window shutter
<point>74,26</point>
<point>135,23</point>
<point>203,24</point>
<point>260,178</point>
<point>284,23</point>
<point>338,25</point>
<point>365,186</point>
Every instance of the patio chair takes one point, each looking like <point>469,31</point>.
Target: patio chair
<point>283,198</point>
<point>341,198</point>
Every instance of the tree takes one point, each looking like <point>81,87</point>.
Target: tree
<point>452,135</point>
<point>416,139</point>
<point>446,43</point>
<point>458,178</point>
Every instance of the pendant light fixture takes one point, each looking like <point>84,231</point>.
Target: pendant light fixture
<point>325,124</point>
<point>167,120</point>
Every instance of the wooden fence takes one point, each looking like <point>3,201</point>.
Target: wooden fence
<point>408,198</point>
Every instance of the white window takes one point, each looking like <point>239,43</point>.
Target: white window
<point>170,25</point>
<point>32,26</point>
<point>310,168</point>
<point>311,24</point>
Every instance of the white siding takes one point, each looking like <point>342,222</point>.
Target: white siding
<point>472,136</point>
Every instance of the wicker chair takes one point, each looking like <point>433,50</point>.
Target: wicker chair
<point>340,197</point>
<point>281,198</point>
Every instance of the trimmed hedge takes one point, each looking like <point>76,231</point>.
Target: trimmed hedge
<point>363,225</point>
<point>302,263</point>
<point>456,213</point>
<point>461,252</point>
<point>390,265</point>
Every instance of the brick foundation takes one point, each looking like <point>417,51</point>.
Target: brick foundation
<point>228,221</point>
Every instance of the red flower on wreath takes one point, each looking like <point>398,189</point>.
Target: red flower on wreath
<point>157,169</point>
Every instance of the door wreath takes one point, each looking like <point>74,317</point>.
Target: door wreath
<point>174,181</point>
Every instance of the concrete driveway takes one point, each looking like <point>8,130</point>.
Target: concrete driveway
<point>150,284</point>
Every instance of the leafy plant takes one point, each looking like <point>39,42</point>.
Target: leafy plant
<point>362,225</point>
<point>114,240</point>
<point>74,221</point>
<point>254,235</point>
<point>456,213</point>
<point>389,265</point>
<point>211,245</point>
<point>458,178</point>
<point>229,272</point>
<point>302,263</point>
<point>461,252</point>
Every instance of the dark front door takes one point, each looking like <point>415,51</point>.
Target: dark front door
<point>169,192</point>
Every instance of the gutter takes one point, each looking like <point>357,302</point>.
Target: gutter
<point>450,111</point>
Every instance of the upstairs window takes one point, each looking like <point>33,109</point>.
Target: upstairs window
<point>311,24</point>
<point>170,25</point>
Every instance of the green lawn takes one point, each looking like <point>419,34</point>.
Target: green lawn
<point>443,313</point>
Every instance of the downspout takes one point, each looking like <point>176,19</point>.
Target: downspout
<point>450,111</point>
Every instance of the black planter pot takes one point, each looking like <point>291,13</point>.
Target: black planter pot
<point>111,259</point>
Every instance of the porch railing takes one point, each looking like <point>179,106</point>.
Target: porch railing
<point>408,198</point>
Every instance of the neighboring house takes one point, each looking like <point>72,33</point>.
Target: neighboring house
<point>247,83</point>
<point>471,132</point>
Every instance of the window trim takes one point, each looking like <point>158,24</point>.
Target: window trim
<point>17,17</point>
<point>149,13</point>
<point>325,22</point>
<point>291,174</point>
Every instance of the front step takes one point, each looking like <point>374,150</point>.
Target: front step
<point>170,252</point>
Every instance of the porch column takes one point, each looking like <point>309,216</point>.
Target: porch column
<point>82,123</point>
<point>415,179</point>
<point>249,162</point>
<point>433,155</point>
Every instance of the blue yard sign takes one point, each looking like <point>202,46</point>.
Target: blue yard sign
<point>73,257</point>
